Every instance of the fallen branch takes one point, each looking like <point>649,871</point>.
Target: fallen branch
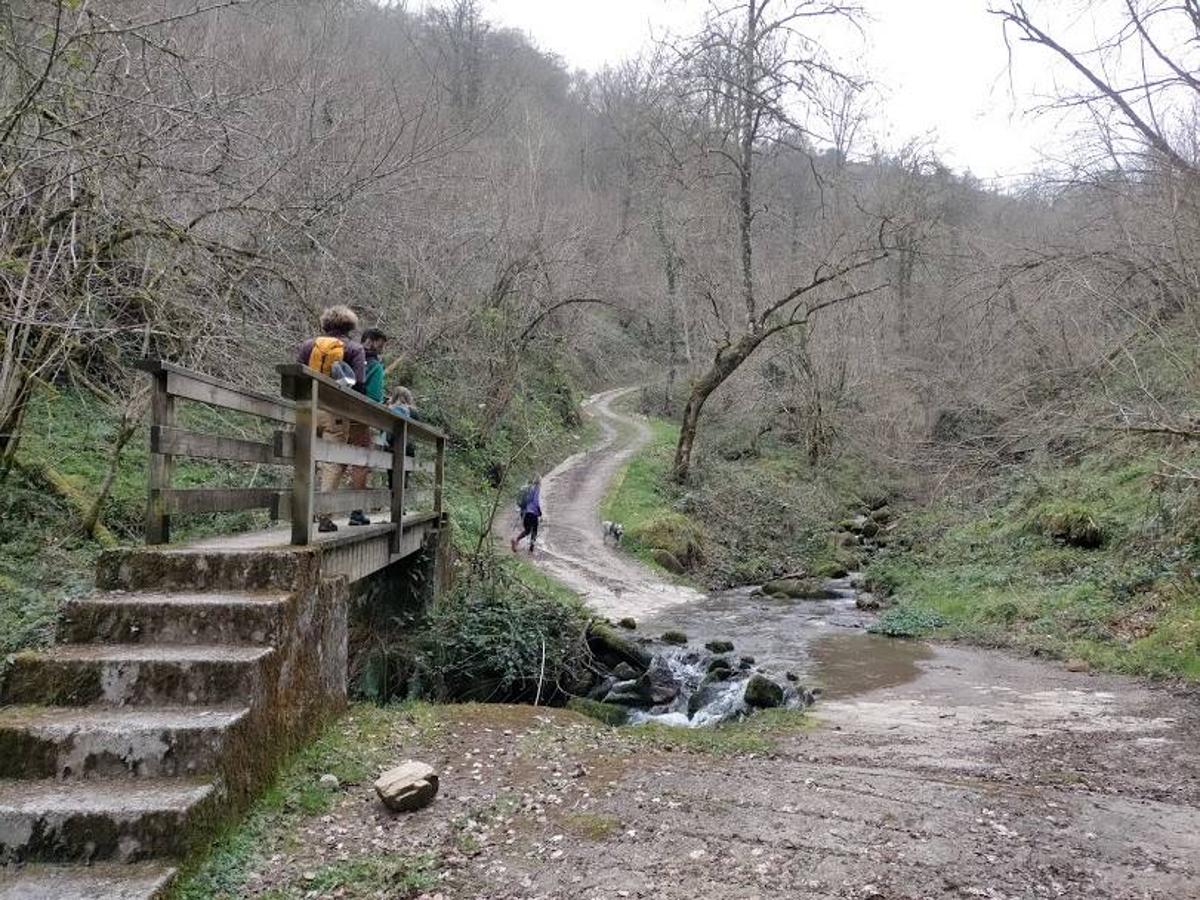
<point>75,497</point>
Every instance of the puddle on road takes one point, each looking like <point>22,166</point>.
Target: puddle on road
<point>845,665</point>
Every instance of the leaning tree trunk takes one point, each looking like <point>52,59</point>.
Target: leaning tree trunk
<point>725,363</point>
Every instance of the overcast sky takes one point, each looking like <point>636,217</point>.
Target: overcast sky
<point>941,66</point>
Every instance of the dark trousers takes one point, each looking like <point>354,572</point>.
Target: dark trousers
<point>530,521</point>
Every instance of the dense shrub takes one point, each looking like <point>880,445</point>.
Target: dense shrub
<point>1070,523</point>
<point>495,638</point>
<point>676,534</point>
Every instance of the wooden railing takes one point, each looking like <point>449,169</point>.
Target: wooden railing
<point>307,399</point>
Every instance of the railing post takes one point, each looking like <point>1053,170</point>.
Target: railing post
<point>439,475</point>
<point>399,455</point>
<point>162,465</point>
<point>304,470</point>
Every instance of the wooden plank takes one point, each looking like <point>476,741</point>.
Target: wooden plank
<point>418,498</point>
<point>293,372</point>
<point>416,520</point>
<point>162,466</point>
<point>181,442</point>
<point>207,500</point>
<point>399,474</point>
<point>439,476</point>
<point>346,404</point>
<point>304,467</point>
<point>190,387</point>
<point>333,502</point>
<point>335,452</point>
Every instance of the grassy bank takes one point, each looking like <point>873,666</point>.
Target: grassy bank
<point>744,517</point>
<point>1094,560</point>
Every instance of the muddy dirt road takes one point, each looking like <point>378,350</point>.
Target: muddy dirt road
<point>929,772</point>
<point>962,773</point>
<point>984,777</point>
<point>572,547</point>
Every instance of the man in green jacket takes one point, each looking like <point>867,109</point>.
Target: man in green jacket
<point>373,341</point>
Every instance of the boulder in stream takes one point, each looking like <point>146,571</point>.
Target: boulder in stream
<point>705,695</point>
<point>659,684</point>
<point>717,674</point>
<point>719,646</point>
<point>623,671</point>
<point>799,588</point>
<point>678,638</point>
<point>628,623</point>
<point>626,693</point>
<point>763,693</point>
<point>613,648</point>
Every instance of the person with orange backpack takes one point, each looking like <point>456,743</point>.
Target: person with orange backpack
<point>331,353</point>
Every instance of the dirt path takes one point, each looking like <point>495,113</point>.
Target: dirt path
<point>573,549</point>
<point>985,777</point>
<point>962,774</point>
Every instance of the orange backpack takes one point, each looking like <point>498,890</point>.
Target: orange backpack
<point>325,352</point>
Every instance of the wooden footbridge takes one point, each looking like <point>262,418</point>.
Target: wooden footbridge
<point>176,688</point>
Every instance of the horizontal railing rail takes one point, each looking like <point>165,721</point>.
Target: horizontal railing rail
<point>309,402</point>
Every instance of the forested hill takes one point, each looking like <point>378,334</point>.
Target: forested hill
<point>198,182</point>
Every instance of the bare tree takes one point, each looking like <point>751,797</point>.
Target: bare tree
<point>753,69</point>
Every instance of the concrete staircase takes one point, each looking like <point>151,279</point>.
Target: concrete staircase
<point>158,715</point>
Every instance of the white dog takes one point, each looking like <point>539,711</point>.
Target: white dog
<point>614,530</point>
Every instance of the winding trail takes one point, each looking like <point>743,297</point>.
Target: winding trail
<point>926,772</point>
<point>572,546</point>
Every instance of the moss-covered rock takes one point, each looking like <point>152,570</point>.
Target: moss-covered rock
<point>613,648</point>
<point>608,713</point>
<point>628,623</point>
<point>719,646</point>
<point>676,534</point>
<point>763,693</point>
<point>831,568</point>
<point>677,638</point>
<point>798,588</point>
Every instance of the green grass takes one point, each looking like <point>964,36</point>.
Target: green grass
<point>354,749</point>
<point>641,498</point>
<point>386,874</point>
<point>758,734</point>
<point>1007,571</point>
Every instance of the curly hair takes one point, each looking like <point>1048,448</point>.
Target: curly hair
<point>338,320</point>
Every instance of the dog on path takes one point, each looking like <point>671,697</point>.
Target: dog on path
<point>614,530</point>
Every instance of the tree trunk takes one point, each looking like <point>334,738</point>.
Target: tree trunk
<point>724,364</point>
<point>130,425</point>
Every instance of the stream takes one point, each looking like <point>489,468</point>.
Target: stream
<point>806,647</point>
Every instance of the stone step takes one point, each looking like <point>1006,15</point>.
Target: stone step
<point>135,674</point>
<point>118,820</point>
<point>188,618</point>
<point>100,742</point>
<point>186,569</point>
<point>140,881</point>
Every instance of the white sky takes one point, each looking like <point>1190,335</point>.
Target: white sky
<point>941,67</point>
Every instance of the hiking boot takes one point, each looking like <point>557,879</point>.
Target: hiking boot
<point>513,544</point>
<point>326,525</point>
<point>357,518</point>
